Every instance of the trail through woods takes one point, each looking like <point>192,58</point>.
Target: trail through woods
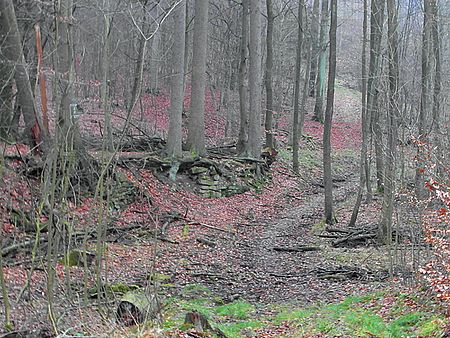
<point>265,246</point>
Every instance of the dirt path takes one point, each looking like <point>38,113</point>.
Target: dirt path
<point>256,272</point>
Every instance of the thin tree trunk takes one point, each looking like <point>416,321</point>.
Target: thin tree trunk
<point>376,31</point>
<point>321,71</point>
<point>329,118</point>
<point>6,99</point>
<point>436,121</point>
<point>242,144</point>
<point>154,57</point>
<point>315,26</point>
<point>108,138</point>
<point>42,82</point>
<point>385,231</point>
<point>174,136</point>
<point>196,123</point>
<point>8,325</point>
<point>269,75</point>
<point>254,132</point>
<point>301,122</point>
<point>298,63</point>
<point>365,124</point>
<point>139,69</point>
<point>424,99</point>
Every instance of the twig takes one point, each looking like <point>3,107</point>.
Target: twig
<point>211,227</point>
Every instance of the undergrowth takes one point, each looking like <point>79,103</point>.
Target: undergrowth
<point>383,314</point>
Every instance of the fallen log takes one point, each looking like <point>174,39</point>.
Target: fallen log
<point>301,248</point>
<point>136,307</point>
<point>354,238</point>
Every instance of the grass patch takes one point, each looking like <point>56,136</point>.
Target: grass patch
<point>341,89</point>
<point>355,316</point>
<point>307,158</point>
<point>239,309</point>
<point>239,329</point>
<point>288,315</point>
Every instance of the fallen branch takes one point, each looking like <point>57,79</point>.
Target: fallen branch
<point>301,248</point>
<point>211,227</point>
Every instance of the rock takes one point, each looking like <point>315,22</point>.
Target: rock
<point>206,180</point>
<point>198,170</point>
<point>76,258</point>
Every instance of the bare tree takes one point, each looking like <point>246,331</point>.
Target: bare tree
<point>269,75</point>
<point>108,139</point>
<point>328,182</point>
<point>242,142</point>
<point>254,133</point>
<point>196,124</point>
<point>298,62</point>
<point>385,231</point>
<point>315,26</point>
<point>177,88</point>
<point>365,126</point>
<point>376,33</point>
<point>13,53</point>
<point>425,96</point>
<point>322,63</point>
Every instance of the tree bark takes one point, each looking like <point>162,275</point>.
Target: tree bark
<point>254,133</point>
<point>108,137</point>
<point>14,56</point>
<point>328,183</point>
<point>298,63</point>
<point>424,98</point>
<point>315,26</point>
<point>365,128</point>
<point>174,136</point>
<point>242,144</point>
<point>269,75</point>
<point>376,32</point>
<point>385,230</point>
<point>436,119</point>
<point>321,71</point>
<point>196,124</point>
<point>155,54</point>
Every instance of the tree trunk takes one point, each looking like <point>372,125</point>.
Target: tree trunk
<point>6,96</point>
<point>107,138</point>
<point>321,71</point>
<point>301,122</point>
<point>298,63</point>
<point>385,231</point>
<point>196,124</point>
<point>376,32</point>
<point>154,55</point>
<point>177,86</point>
<point>365,125</point>
<point>254,132</point>
<point>242,144</point>
<point>139,69</point>
<point>269,75</point>
<point>13,52</point>
<point>436,120</point>
<point>328,183</point>
<point>315,26</point>
<point>424,98</point>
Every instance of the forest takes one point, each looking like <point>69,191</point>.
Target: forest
<point>224,168</point>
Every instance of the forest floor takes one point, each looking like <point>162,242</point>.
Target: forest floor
<point>257,264</point>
